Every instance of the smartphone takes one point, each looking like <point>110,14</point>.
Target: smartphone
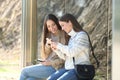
<point>40,60</point>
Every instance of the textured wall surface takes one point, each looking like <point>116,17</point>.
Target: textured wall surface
<point>95,17</point>
<point>10,38</point>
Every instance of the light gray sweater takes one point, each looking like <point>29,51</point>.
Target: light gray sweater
<point>78,47</point>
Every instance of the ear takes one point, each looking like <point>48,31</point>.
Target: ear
<point>70,23</point>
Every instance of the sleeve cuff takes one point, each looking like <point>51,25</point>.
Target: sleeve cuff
<point>59,46</point>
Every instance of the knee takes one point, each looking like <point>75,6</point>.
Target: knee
<point>49,78</point>
<point>23,71</point>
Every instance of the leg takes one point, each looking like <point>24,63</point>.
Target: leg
<point>57,74</point>
<point>30,78</point>
<point>36,71</point>
<point>69,75</point>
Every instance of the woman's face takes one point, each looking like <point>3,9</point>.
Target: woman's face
<point>66,26</point>
<point>51,26</point>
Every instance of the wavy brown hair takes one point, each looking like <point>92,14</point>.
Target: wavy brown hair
<point>45,33</point>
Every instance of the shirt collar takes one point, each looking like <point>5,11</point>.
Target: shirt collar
<point>72,33</point>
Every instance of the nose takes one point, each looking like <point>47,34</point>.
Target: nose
<point>62,28</point>
<point>51,28</point>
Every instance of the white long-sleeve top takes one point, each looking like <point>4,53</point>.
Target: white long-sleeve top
<point>78,47</point>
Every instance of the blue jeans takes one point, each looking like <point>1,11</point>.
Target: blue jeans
<point>63,74</point>
<point>36,72</point>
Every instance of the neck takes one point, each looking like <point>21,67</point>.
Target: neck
<point>57,33</point>
<point>72,33</point>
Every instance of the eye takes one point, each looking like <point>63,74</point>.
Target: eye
<point>62,25</point>
<point>53,24</point>
<point>48,26</point>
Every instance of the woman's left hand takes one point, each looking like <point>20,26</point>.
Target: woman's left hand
<point>53,45</point>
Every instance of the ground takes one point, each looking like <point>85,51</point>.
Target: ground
<point>9,64</point>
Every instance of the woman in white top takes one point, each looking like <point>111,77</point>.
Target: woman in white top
<point>78,47</point>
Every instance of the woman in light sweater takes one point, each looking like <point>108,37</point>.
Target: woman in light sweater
<point>78,47</point>
<point>52,62</point>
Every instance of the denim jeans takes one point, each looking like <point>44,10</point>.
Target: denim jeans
<point>36,72</point>
<point>63,74</point>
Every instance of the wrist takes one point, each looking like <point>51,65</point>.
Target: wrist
<point>48,45</point>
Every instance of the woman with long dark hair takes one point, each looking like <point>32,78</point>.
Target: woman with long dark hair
<point>51,32</point>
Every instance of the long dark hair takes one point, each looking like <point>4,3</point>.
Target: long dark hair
<point>69,17</point>
<point>45,32</point>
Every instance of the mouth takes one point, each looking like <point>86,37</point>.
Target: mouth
<point>53,31</point>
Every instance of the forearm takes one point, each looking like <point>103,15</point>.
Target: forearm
<point>60,54</point>
<point>47,50</point>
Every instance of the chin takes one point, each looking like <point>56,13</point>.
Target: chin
<point>67,31</point>
<point>54,32</point>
